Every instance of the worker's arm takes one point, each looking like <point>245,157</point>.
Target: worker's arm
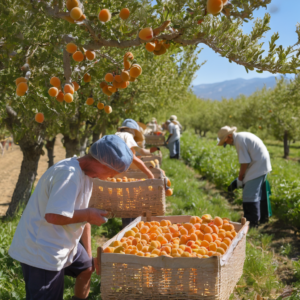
<point>170,135</point>
<point>142,167</point>
<point>243,169</point>
<point>147,152</point>
<point>91,215</point>
<point>86,239</point>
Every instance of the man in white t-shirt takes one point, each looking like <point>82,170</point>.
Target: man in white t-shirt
<point>255,164</point>
<point>173,140</point>
<point>57,217</point>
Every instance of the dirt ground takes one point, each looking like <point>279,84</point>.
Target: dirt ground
<point>10,164</point>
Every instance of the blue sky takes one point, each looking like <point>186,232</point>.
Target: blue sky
<point>284,18</point>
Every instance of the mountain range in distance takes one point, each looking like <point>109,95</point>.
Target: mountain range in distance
<point>233,88</point>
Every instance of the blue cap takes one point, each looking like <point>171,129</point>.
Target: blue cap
<point>129,123</point>
<point>113,152</point>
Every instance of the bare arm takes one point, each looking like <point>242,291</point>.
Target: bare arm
<point>91,215</point>
<point>142,167</point>
<point>86,239</point>
<point>147,152</point>
<point>243,169</point>
<point>168,138</point>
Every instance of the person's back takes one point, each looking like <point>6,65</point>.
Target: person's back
<point>252,149</point>
<point>62,183</point>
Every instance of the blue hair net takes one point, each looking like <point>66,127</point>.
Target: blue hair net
<point>129,123</point>
<point>113,152</point>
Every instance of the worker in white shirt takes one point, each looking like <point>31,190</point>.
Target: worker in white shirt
<point>255,164</point>
<point>130,133</point>
<point>174,118</point>
<point>57,217</point>
<point>173,141</point>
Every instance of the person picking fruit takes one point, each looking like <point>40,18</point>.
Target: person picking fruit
<point>255,164</point>
<point>130,133</point>
<point>57,217</point>
<point>173,141</point>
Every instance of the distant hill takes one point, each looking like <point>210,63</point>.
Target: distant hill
<point>232,88</point>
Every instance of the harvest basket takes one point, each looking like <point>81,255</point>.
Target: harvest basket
<point>155,140</point>
<point>125,276</point>
<point>130,199</point>
<point>152,157</point>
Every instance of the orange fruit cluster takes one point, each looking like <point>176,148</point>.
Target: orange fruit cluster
<point>201,237</point>
<point>22,86</point>
<point>157,47</point>
<point>215,6</point>
<point>124,179</point>
<point>76,13</point>
<point>65,94</point>
<point>121,81</point>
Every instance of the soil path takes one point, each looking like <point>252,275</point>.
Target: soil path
<point>10,164</point>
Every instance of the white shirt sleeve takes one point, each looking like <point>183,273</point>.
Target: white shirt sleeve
<point>171,128</point>
<point>63,194</point>
<point>128,139</point>
<point>242,151</point>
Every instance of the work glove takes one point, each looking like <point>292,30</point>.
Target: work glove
<point>239,184</point>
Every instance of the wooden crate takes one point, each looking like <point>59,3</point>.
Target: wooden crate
<point>152,157</point>
<point>154,140</point>
<point>131,199</point>
<point>126,276</point>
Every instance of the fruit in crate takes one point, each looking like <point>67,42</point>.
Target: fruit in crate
<point>200,237</point>
<point>124,179</point>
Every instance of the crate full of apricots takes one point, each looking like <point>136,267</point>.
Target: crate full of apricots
<point>131,193</point>
<point>173,257</point>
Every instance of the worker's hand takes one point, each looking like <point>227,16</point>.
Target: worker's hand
<point>153,149</point>
<point>97,216</point>
<point>151,176</point>
<point>239,184</point>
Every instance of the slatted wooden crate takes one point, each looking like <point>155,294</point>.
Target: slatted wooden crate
<point>155,140</point>
<point>153,157</point>
<point>130,199</point>
<point>125,276</point>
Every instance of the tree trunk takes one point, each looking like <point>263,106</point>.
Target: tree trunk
<point>286,144</point>
<point>50,150</point>
<point>75,146</point>
<point>99,132</point>
<point>31,155</point>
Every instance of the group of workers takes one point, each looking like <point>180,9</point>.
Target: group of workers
<point>53,237</point>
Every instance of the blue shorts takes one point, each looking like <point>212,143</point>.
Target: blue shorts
<point>49,285</point>
<point>252,190</point>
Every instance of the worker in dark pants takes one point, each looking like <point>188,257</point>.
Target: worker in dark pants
<point>255,164</point>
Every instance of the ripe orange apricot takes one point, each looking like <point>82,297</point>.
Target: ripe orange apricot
<point>68,89</point>
<point>150,46</point>
<point>108,109</point>
<point>20,79</point>
<point>118,78</point>
<point>212,247</point>
<point>205,244</point>
<point>68,97</point>
<point>87,77</point>
<point>20,93</point>
<point>144,229</point>
<point>227,241</point>
<point>100,105</point>
<point>112,89</point>
<point>169,192</point>
<point>103,84</point>
<point>124,13</point>
<point>71,48</point>
<point>208,237</point>
<point>104,15</point>
<point>135,71</point>
<point>90,55</point>
<point>55,81</point>
<point>214,6</point>
<point>146,34</point>
<point>127,65</point>
<point>39,117</point>
<point>106,91</point>
<point>89,101</point>
<point>76,86</point>
<point>208,229</point>
<point>125,75</point>
<point>53,91</point>
<point>109,77</point>
<point>22,87</point>
<point>76,13</point>
<point>71,4</point>
<point>60,97</point>
<point>78,56</point>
